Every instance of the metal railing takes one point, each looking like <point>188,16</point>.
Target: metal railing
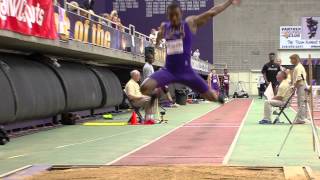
<point>80,11</point>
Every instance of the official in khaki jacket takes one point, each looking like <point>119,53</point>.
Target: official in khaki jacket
<point>298,83</point>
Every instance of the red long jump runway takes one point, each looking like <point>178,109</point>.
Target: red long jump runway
<point>205,140</point>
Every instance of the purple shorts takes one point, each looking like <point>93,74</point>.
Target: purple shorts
<point>188,77</point>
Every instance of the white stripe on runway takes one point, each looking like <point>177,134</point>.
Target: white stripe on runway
<point>235,140</point>
<point>190,126</point>
<point>98,139</point>
<point>214,124</point>
<point>21,155</point>
<point>162,136</point>
<point>176,156</point>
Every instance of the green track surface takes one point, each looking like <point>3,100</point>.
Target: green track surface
<point>90,145</point>
<point>258,145</point>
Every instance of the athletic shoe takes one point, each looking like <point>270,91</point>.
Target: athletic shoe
<point>175,105</point>
<point>149,122</point>
<point>265,121</point>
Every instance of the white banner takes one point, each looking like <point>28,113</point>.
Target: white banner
<point>290,38</point>
<point>199,65</point>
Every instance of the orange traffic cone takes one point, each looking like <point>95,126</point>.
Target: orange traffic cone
<point>133,119</point>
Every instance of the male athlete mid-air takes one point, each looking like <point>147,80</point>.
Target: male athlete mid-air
<point>178,35</point>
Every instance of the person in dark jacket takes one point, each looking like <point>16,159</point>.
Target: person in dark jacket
<point>270,71</point>
<point>88,4</point>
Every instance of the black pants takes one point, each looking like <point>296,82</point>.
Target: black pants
<point>275,87</point>
<point>262,89</point>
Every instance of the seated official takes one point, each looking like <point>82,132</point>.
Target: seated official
<point>134,94</point>
<point>284,92</point>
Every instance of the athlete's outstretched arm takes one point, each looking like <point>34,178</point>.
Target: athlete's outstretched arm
<point>197,21</point>
<point>160,35</point>
<point>209,80</point>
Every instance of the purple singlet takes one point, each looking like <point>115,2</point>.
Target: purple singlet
<point>214,82</point>
<point>178,61</point>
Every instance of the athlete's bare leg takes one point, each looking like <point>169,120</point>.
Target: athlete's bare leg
<point>148,87</point>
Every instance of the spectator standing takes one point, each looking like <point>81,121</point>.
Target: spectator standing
<point>153,36</point>
<point>88,4</point>
<point>213,81</point>
<point>298,76</point>
<point>279,62</point>
<point>148,68</point>
<point>226,82</point>
<point>270,71</point>
<point>114,17</point>
<point>196,54</point>
<point>107,17</point>
<point>74,6</point>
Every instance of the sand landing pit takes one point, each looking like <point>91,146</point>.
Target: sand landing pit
<point>162,173</point>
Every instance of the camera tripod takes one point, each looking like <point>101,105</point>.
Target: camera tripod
<point>161,113</point>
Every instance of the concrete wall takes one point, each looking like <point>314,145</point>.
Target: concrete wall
<point>245,34</point>
<point>249,79</point>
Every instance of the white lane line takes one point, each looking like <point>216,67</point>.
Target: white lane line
<point>235,140</point>
<point>83,142</point>
<point>21,155</point>
<point>98,139</point>
<point>190,126</point>
<point>14,171</point>
<point>73,144</point>
<point>176,156</point>
<point>166,134</point>
<point>210,126</point>
<point>213,123</point>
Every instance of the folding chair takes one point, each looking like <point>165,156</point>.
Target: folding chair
<point>282,108</point>
<point>135,108</point>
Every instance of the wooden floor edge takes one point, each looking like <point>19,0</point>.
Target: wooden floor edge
<point>309,172</point>
<point>298,173</point>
